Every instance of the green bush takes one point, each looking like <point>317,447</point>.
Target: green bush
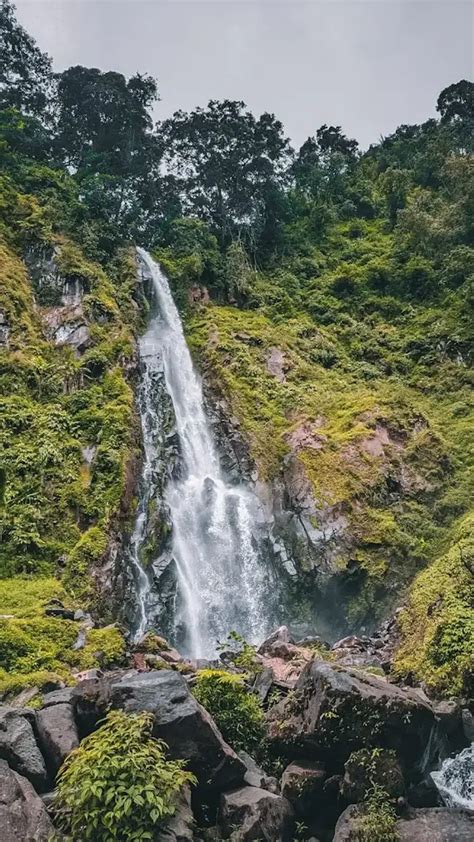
<point>237,712</point>
<point>376,822</point>
<point>118,786</point>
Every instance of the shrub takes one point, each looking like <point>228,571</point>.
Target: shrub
<point>118,785</point>
<point>376,822</point>
<point>237,712</point>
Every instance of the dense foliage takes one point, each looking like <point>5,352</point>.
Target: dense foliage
<point>352,269</point>
<point>237,712</point>
<point>118,786</point>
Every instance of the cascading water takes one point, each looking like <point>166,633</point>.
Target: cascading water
<point>222,580</point>
<point>455,780</point>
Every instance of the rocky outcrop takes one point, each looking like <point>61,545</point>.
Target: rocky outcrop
<point>19,748</point>
<point>250,813</point>
<point>23,816</point>
<point>57,734</point>
<point>335,711</point>
<point>182,723</point>
<point>430,825</point>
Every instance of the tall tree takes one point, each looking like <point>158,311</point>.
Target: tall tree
<point>25,72</point>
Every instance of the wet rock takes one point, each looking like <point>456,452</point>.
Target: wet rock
<point>18,746</point>
<point>365,766</point>
<point>250,813</point>
<point>254,776</point>
<point>23,816</point>
<point>435,825</point>
<point>302,784</point>
<point>182,723</point>
<point>57,734</point>
<point>279,636</point>
<point>467,720</point>
<point>180,828</point>
<point>335,711</point>
<point>448,714</point>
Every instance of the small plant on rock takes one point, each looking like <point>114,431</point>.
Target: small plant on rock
<point>376,822</point>
<point>118,786</point>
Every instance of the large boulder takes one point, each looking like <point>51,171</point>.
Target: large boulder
<point>250,813</point>
<point>302,784</point>
<point>18,746</point>
<point>23,816</point>
<point>334,712</point>
<point>180,827</point>
<point>365,766</point>
<point>57,734</point>
<point>429,825</point>
<point>182,723</point>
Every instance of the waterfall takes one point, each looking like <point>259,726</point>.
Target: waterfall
<point>223,583</point>
<point>455,780</point>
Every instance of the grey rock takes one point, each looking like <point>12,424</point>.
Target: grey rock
<point>180,828</point>
<point>58,697</point>
<point>254,776</point>
<point>250,813</point>
<point>18,746</point>
<point>302,784</point>
<point>335,711</point>
<point>57,734</point>
<point>24,697</point>
<point>467,720</point>
<point>263,683</point>
<point>23,816</point>
<point>448,714</point>
<point>182,723</point>
<point>434,824</point>
<point>59,612</point>
<point>280,635</point>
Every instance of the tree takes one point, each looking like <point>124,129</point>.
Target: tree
<point>25,72</point>
<point>225,161</point>
<point>456,102</point>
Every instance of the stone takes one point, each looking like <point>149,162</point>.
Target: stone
<point>448,714</point>
<point>23,816</point>
<point>250,813</point>
<point>182,723</point>
<point>57,734</point>
<point>58,697</point>
<point>335,711</point>
<point>18,746</point>
<point>90,699</point>
<point>180,828</point>
<point>302,784</point>
<point>254,776</point>
<point>435,824</point>
<point>59,612</point>
<point>281,635</point>
<point>263,683</point>
<point>467,720</point>
<point>364,766</point>
<point>25,697</point>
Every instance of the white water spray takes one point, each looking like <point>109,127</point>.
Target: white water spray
<point>222,581</point>
<point>455,780</point>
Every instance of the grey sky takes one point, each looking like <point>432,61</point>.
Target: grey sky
<point>368,65</point>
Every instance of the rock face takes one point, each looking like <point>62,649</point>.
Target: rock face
<point>334,712</point>
<point>23,816</point>
<point>431,825</point>
<point>252,813</point>
<point>182,723</point>
<point>302,784</point>
<point>57,734</point>
<point>18,746</point>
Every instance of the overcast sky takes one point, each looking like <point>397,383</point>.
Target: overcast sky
<point>367,65</point>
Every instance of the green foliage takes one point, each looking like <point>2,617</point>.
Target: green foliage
<point>239,652</point>
<point>236,710</point>
<point>118,786</point>
<point>377,821</point>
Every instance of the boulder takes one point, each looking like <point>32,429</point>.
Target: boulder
<point>58,697</point>
<point>448,714</point>
<point>280,636</point>
<point>263,683</point>
<point>90,698</point>
<point>302,784</point>
<point>250,813</point>
<point>435,824</point>
<point>23,816</point>
<point>365,766</point>
<point>180,827</point>
<point>182,723</point>
<point>57,734</point>
<point>254,776</point>
<point>467,719</point>
<point>18,746</point>
<point>334,712</point>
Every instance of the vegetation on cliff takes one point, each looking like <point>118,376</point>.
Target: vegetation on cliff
<point>338,332</point>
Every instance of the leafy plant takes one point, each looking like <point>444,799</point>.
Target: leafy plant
<point>118,786</point>
<point>236,710</point>
<point>239,652</point>
<point>376,822</point>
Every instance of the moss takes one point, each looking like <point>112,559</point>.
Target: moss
<point>437,625</point>
<point>87,553</point>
